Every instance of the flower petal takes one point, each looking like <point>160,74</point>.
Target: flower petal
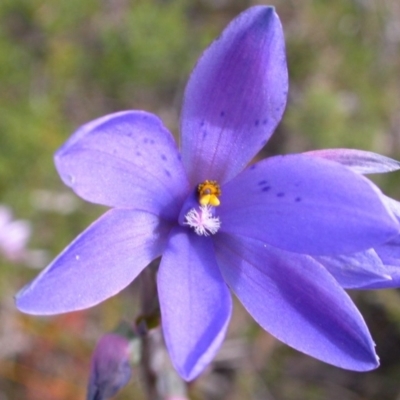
<point>195,302</point>
<point>307,205</point>
<point>393,205</point>
<point>101,262</point>
<point>295,299</point>
<point>125,160</point>
<point>393,271</point>
<point>353,271</point>
<point>235,97</point>
<point>389,252</point>
<point>362,162</point>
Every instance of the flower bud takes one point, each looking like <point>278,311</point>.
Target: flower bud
<point>110,369</point>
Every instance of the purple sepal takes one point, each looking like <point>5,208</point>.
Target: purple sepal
<point>360,161</point>
<point>235,97</point>
<point>298,301</point>
<point>98,264</point>
<point>195,302</point>
<point>125,160</point>
<point>389,253</point>
<point>353,271</point>
<point>308,205</point>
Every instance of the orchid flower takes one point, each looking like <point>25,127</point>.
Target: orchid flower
<point>219,223</point>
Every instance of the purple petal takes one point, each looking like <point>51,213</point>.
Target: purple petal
<point>295,299</point>
<point>101,262</point>
<point>353,271</point>
<point>194,300</point>
<point>389,252</point>
<point>362,162</point>
<point>110,369</point>
<point>394,272</point>
<point>235,97</point>
<point>307,205</point>
<point>392,205</point>
<point>125,160</point>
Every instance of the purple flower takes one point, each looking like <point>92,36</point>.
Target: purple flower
<point>218,224</point>
<point>110,369</point>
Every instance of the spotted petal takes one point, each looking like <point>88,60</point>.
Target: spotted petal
<point>194,300</point>
<point>360,161</point>
<point>235,97</point>
<point>101,262</point>
<point>125,160</point>
<point>307,205</point>
<point>295,299</point>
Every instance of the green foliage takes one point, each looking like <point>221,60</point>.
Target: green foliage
<point>343,76</point>
<point>63,63</point>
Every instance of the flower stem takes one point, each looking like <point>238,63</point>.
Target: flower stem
<point>149,300</point>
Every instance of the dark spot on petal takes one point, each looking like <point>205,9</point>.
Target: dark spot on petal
<point>266,189</point>
<point>145,140</point>
<point>297,199</point>
<point>202,123</point>
<point>163,157</point>
<point>138,153</point>
<point>167,173</point>
<point>263,182</point>
<point>257,122</point>
<point>71,178</point>
<point>222,113</point>
<point>280,194</point>
<point>152,141</point>
<point>179,157</point>
<point>264,122</point>
<point>204,134</point>
<point>253,167</point>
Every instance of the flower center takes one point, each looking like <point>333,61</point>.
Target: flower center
<point>198,212</point>
<point>209,191</point>
<point>203,221</point>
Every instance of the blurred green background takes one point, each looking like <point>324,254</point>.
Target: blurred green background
<point>63,63</point>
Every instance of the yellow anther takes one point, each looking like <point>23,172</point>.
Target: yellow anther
<point>209,191</point>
